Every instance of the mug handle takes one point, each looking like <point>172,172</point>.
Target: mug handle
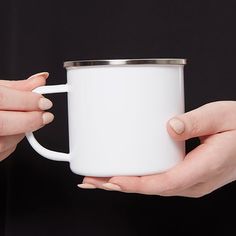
<point>49,154</point>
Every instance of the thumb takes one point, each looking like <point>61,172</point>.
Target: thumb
<point>29,84</point>
<point>209,119</point>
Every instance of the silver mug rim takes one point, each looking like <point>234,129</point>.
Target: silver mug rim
<point>122,62</point>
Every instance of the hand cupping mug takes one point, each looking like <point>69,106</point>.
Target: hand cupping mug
<point>117,112</point>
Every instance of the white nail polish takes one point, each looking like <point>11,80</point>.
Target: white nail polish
<point>177,125</point>
<point>44,103</point>
<point>110,186</point>
<point>41,74</point>
<point>86,186</point>
<point>47,118</point>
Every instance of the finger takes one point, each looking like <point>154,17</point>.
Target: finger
<point>12,123</point>
<point>31,83</point>
<point>189,172</point>
<point>8,142</point>
<point>17,100</point>
<point>93,182</point>
<point>5,154</point>
<point>205,120</point>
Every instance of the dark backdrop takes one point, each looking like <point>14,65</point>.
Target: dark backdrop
<point>40,197</point>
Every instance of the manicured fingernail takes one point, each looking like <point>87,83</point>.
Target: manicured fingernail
<point>86,186</point>
<point>47,118</point>
<point>110,186</point>
<point>177,125</point>
<point>41,74</point>
<point>45,104</point>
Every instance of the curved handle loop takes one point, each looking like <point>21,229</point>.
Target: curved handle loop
<point>52,155</point>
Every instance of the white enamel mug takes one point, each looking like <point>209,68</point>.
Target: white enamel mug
<point>117,112</point>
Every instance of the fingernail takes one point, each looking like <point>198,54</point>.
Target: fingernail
<point>110,186</point>
<point>41,74</point>
<point>45,104</point>
<point>47,118</point>
<point>86,186</point>
<point>177,125</point>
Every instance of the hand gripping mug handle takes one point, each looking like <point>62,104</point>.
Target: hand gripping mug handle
<point>49,154</point>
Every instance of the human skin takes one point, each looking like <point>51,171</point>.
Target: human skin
<point>21,111</point>
<point>206,168</point>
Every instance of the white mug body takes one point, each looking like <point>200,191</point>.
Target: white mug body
<point>118,117</point>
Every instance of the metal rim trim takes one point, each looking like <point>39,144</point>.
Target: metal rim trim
<point>121,62</point>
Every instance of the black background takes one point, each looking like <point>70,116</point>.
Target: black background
<point>40,197</point>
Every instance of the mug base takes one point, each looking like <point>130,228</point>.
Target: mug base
<point>118,173</point>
